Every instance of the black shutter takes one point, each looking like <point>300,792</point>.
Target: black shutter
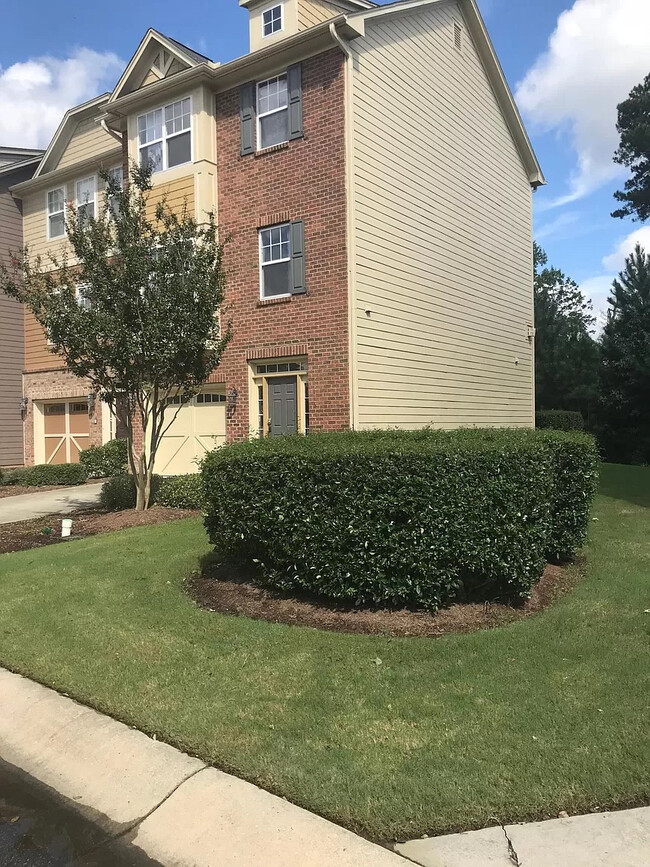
<point>298,286</point>
<point>294,87</point>
<point>247,117</point>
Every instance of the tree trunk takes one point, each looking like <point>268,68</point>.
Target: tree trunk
<point>142,484</point>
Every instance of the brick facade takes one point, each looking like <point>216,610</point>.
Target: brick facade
<point>50,385</point>
<point>300,180</point>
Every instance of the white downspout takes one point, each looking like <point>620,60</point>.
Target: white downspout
<point>351,220</point>
<point>106,128</point>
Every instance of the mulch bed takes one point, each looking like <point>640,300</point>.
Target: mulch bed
<point>38,532</point>
<point>229,590</point>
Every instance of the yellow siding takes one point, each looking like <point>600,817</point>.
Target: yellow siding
<point>87,141</point>
<point>35,221</point>
<point>311,12</point>
<point>177,192</point>
<point>443,244</point>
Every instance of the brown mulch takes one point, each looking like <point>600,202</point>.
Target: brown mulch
<point>37,532</point>
<point>227,589</point>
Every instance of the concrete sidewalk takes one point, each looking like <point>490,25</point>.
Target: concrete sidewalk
<point>22,507</point>
<point>167,806</point>
<point>620,839</point>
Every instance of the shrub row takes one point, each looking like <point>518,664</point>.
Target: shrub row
<point>178,492</point>
<point>46,474</point>
<point>417,518</point>
<point>101,462</point>
<point>559,419</point>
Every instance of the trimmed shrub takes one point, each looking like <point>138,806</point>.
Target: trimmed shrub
<point>119,493</point>
<point>559,419</point>
<point>47,474</point>
<point>104,461</point>
<point>401,518</point>
<point>182,492</point>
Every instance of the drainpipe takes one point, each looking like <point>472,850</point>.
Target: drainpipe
<point>106,128</point>
<point>351,224</point>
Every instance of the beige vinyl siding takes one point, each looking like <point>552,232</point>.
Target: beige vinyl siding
<point>12,345</point>
<point>177,193</point>
<point>87,140</point>
<point>443,234</point>
<point>311,12</point>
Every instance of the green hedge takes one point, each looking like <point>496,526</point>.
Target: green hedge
<point>119,493</point>
<point>46,474</point>
<point>104,461</point>
<point>401,518</point>
<point>182,492</point>
<point>559,419</point>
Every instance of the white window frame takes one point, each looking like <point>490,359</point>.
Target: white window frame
<point>51,237</point>
<point>80,298</point>
<point>288,294</point>
<point>92,178</point>
<point>259,115</point>
<point>166,138</point>
<point>112,169</point>
<point>271,8</point>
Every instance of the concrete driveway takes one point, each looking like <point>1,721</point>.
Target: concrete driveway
<point>62,502</point>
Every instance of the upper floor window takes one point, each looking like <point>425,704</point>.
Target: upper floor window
<point>272,112</point>
<point>272,20</point>
<point>117,176</point>
<point>275,256</point>
<point>165,136</point>
<point>85,190</point>
<point>56,213</point>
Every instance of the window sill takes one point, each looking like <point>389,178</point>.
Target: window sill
<point>283,146</point>
<point>270,302</point>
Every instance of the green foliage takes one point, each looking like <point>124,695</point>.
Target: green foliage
<point>625,373</point>
<point>107,460</point>
<point>559,419</point>
<point>634,152</point>
<point>182,492</point>
<point>566,355</point>
<point>134,309</point>
<point>43,475</point>
<point>120,492</point>
<point>399,518</point>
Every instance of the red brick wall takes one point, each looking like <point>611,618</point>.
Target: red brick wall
<point>304,179</point>
<point>51,385</point>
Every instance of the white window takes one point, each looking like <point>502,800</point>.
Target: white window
<point>85,199</point>
<point>117,176</point>
<point>272,20</point>
<point>275,261</point>
<point>82,299</point>
<point>272,112</point>
<point>56,213</point>
<point>165,136</point>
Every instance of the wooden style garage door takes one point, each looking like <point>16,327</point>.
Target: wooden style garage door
<point>199,427</point>
<point>66,428</point>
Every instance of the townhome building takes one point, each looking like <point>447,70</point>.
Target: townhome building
<point>16,165</point>
<point>374,176</point>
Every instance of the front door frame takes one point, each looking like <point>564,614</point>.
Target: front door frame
<point>259,404</point>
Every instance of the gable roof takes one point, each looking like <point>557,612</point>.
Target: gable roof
<point>493,69</point>
<point>186,56</point>
<point>70,118</point>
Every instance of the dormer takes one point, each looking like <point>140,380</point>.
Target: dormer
<point>273,20</point>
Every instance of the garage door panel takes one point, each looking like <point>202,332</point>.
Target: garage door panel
<point>55,452</point>
<point>199,427</point>
<point>66,431</point>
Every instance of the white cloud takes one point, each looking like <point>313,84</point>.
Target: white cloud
<point>557,226</point>
<point>35,94</point>
<point>597,289</point>
<point>616,260</point>
<point>597,53</point>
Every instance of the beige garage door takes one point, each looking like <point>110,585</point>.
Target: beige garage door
<point>199,427</point>
<point>66,428</point>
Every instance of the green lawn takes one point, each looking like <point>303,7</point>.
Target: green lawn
<point>545,715</point>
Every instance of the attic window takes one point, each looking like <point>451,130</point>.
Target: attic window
<point>458,36</point>
<point>272,20</point>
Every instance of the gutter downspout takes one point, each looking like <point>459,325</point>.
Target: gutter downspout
<point>351,222</point>
<point>116,135</point>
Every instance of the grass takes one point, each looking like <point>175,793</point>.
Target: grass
<point>393,737</point>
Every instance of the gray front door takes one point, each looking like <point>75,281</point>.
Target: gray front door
<point>283,406</point>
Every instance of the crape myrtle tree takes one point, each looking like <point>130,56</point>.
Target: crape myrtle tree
<point>625,373</point>
<point>566,354</point>
<point>133,308</point>
<point>634,152</point>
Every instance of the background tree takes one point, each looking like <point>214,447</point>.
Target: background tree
<point>634,152</point>
<point>566,355</point>
<point>625,373</point>
<point>134,309</point>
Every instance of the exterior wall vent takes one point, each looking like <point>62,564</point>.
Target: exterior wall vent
<point>458,36</point>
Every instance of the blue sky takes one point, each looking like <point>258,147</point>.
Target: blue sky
<point>569,62</point>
